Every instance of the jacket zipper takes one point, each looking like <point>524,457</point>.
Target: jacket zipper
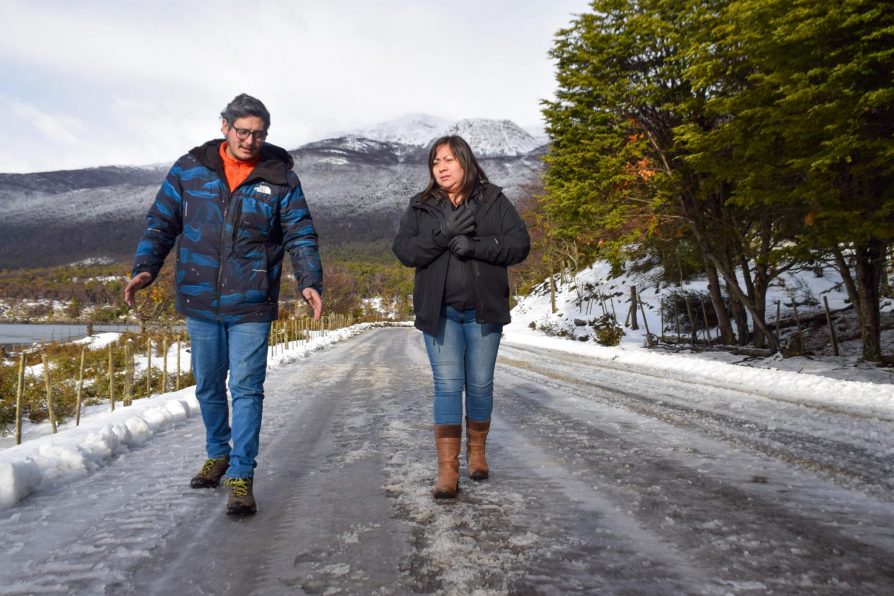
<point>227,197</point>
<point>479,301</point>
<point>236,212</point>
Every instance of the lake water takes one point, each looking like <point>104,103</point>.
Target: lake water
<point>18,334</point>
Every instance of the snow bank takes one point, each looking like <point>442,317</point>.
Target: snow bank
<point>846,395</point>
<point>596,290</point>
<point>78,450</point>
<point>53,459</point>
<point>840,381</point>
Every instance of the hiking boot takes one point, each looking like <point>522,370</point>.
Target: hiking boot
<point>211,473</point>
<point>240,500</point>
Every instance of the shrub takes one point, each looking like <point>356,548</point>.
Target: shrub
<point>608,332</point>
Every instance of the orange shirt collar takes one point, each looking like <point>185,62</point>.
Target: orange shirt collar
<point>236,170</point>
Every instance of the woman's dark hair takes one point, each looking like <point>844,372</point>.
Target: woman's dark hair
<point>243,106</point>
<point>473,175</point>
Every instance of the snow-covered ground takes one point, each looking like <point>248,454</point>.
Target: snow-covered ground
<point>611,473</point>
<point>811,433</point>
<point>592,292</point>
<point>586,480</point>
<point>45,460</point>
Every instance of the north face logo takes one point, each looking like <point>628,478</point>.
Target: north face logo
<point>263,189</point>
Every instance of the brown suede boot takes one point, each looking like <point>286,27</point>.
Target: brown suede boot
<point>448,440</point>
<point>476,437</point>
<point>211,473</point>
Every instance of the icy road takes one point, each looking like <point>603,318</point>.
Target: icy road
<point>604,480</point>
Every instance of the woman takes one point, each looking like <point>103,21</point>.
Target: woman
<point>460,234</point>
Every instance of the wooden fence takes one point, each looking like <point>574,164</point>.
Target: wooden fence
<point>119,380</point>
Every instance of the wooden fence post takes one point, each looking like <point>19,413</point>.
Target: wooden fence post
<point>798,328</point>
<point>705,316</point>
<point>661,316</point>
<point>831,327</point>
<point>177,379</point>
<point>133,362</point>
<point>778,306</point>
<point>552,291</point>
<point>164,368</point>
<point>46,377</point>
<point>111,380</point>
<point>148,367</point>
<point>631,314</point>
<point>20,395</point>
<point>643,311</point>
<point>80,392</point>
<point>676,318</point>
<point>128,372</point>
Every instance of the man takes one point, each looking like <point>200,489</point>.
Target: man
<point>233,207</point>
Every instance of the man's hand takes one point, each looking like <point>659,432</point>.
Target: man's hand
<point>312,297</point>
<point>139,281</point>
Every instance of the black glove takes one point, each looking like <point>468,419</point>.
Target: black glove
<point>462,246</point>
<point>461,221</point>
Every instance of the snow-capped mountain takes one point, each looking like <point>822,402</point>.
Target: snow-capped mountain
<point>488,138</point>
<point>493,138</point>
<point>412,129</point>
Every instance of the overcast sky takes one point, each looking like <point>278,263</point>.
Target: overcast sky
<point>86,83</point>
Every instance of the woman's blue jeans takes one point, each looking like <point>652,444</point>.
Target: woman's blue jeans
<point>463,354</point>
<point>241,349</point>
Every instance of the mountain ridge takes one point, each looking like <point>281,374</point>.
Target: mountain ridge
<point>357,189</point>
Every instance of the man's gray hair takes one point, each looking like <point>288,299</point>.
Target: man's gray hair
<point>244,105</point>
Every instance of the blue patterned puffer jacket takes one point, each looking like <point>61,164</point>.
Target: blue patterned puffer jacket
<point>231,246</point>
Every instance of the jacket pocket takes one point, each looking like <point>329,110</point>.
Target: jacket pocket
<point>256,220</point>
<point>259,278</point>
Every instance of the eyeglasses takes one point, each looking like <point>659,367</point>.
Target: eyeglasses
<point>244,133</point>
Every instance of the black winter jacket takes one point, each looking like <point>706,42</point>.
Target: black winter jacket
<point>501,239</point>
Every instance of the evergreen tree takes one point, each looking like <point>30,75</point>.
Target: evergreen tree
<point>617,169</point>
<point>759,131</point>
<point>806,93</point>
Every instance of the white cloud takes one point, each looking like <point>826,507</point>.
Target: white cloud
<point>58,127</point>
<point>147,79</point>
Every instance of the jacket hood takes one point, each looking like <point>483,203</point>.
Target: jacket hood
<point>488,192</point>
<point>274,164</point>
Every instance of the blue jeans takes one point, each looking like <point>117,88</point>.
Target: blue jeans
<point>463,355</point>
<point>241,349</point>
